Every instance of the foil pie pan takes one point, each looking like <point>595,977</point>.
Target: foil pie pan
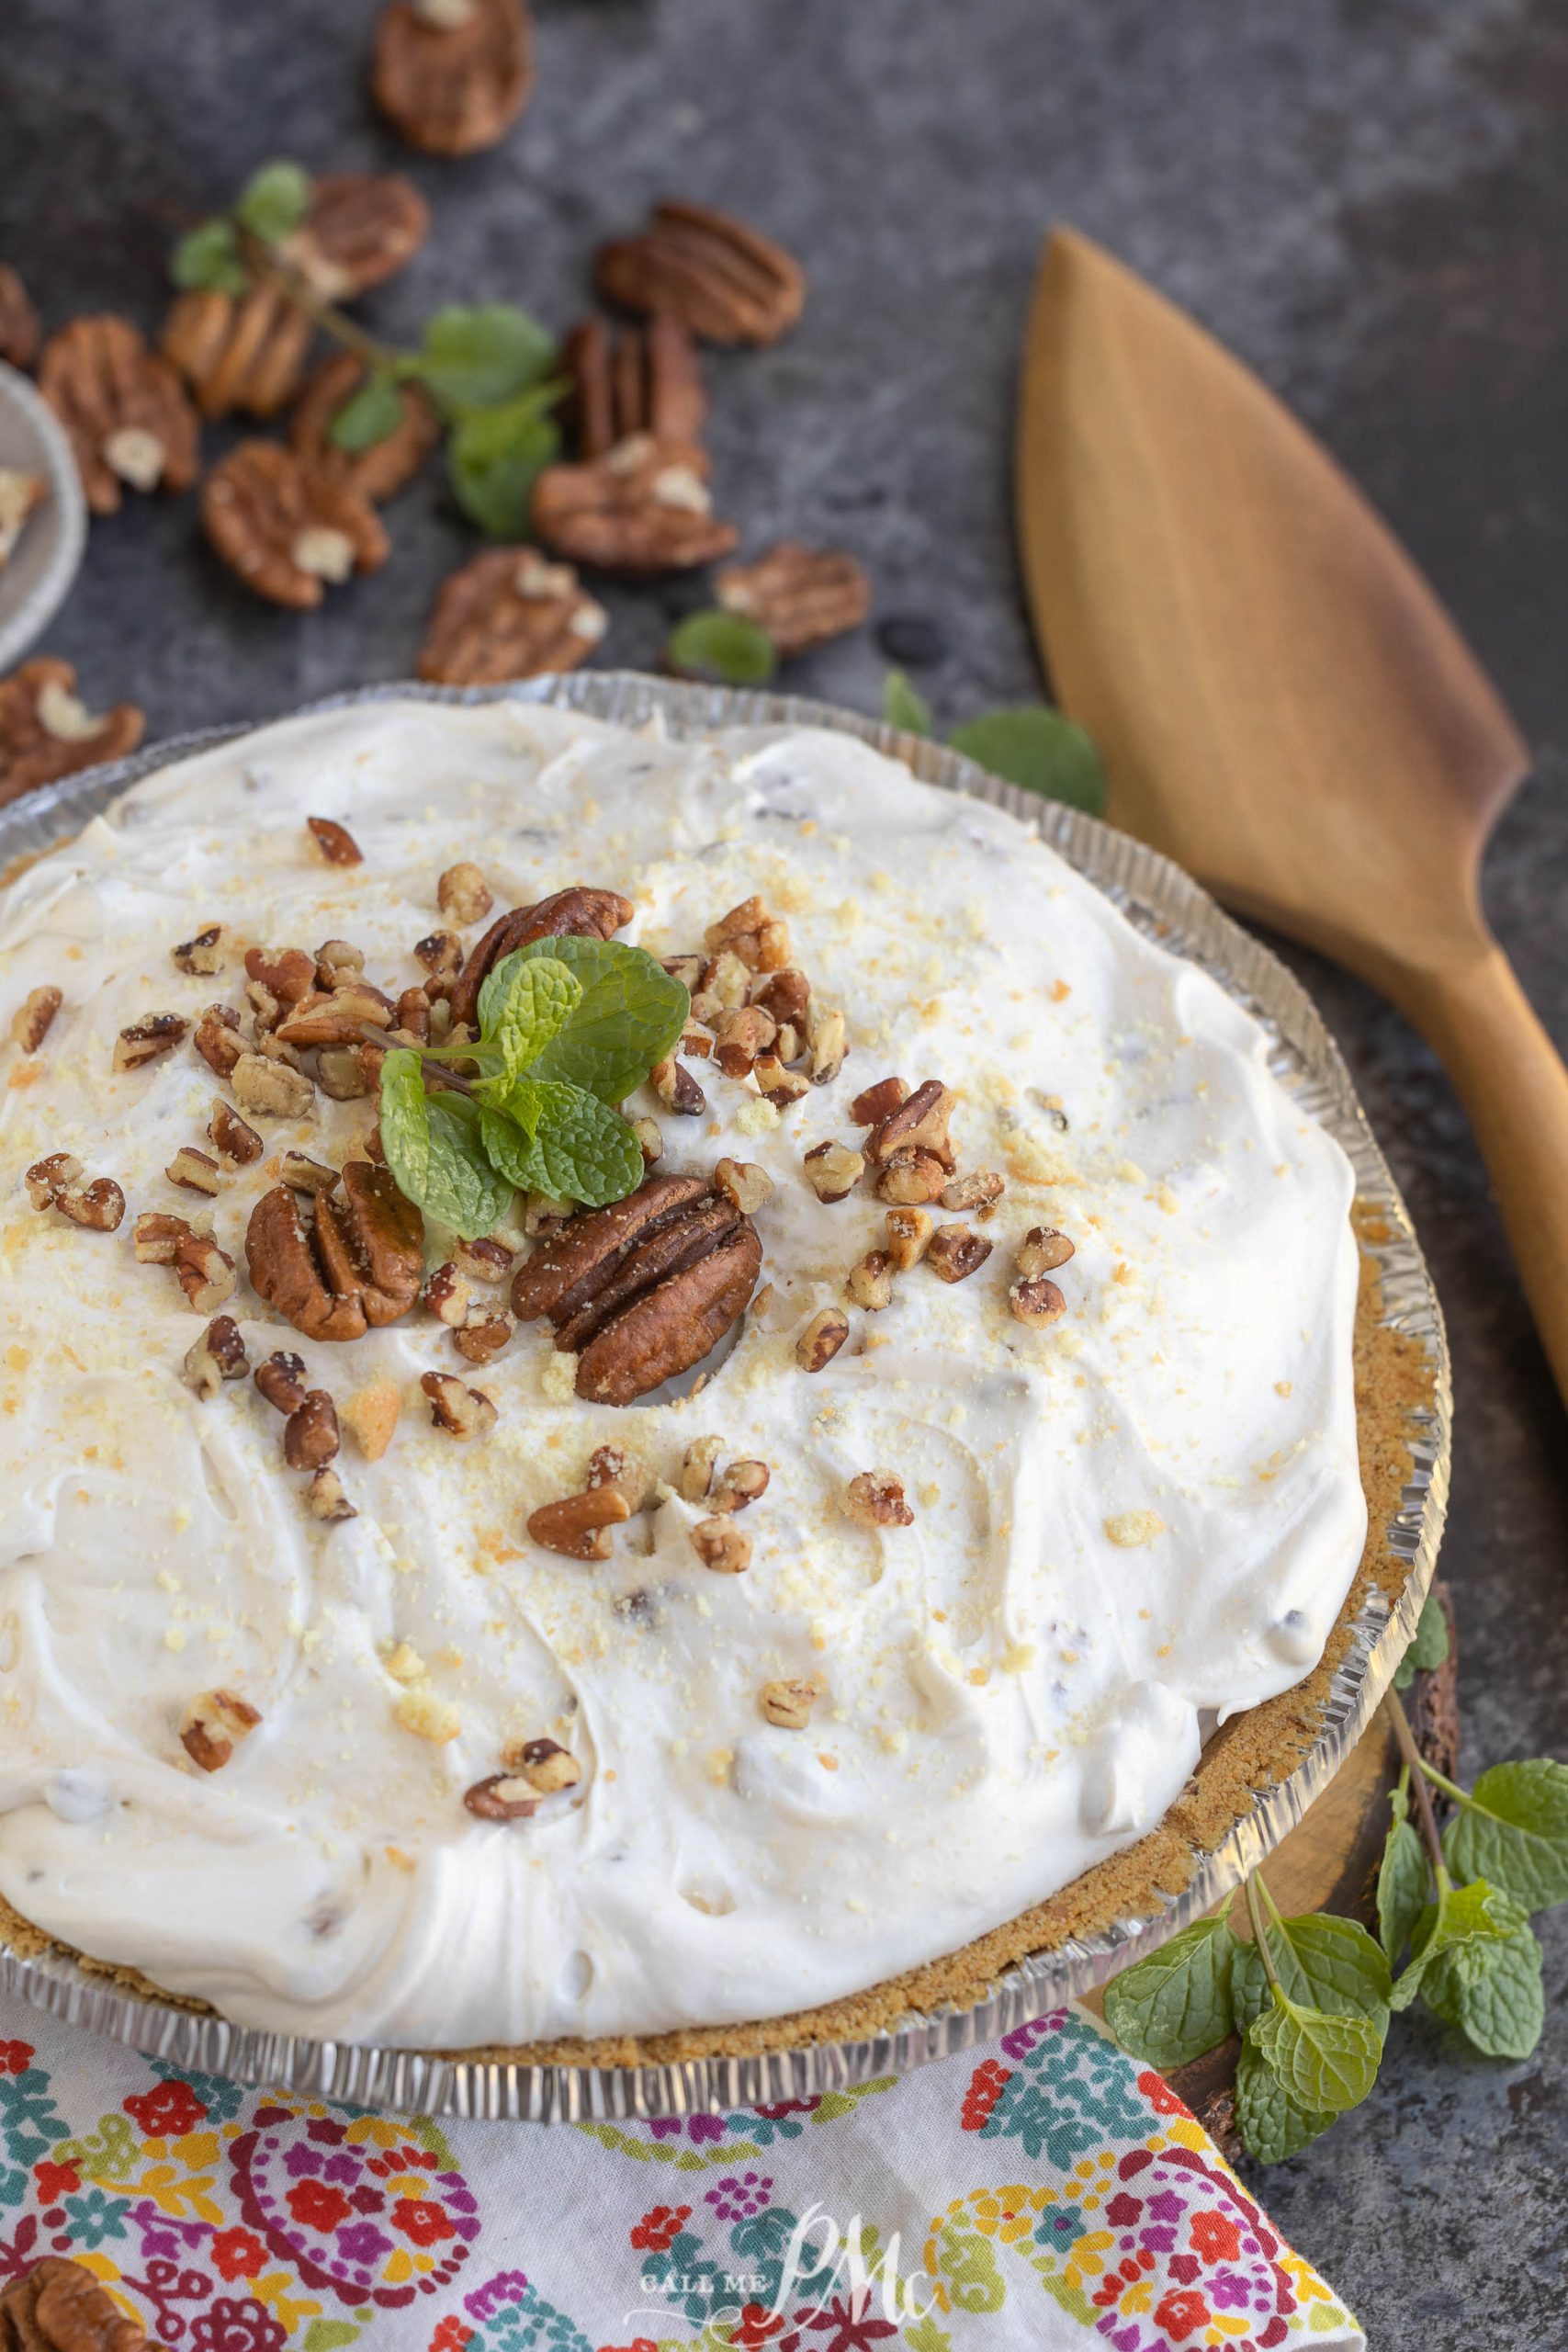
<point>1159,900</point>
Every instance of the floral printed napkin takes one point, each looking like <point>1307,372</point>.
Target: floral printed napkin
<point>1046,2193</point>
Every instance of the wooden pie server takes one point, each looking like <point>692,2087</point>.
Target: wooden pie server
<point>1282,705</point>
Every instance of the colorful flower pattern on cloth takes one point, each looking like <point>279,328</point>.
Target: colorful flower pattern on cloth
<point>1047,2194</point>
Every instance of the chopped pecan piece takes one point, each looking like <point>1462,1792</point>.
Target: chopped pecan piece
<point>338,964</point>
<point>919,1124</point>
<point>218,1039</point>
<point>642,509</point>
<point>753,933</point>
<point>340,1019</point>
<point>788,1704</point>
<point>877,1499</point>
<point>56,1184</point>
<point>833,1169</point>
<point>306,1175</point>
<point>310,1433</point>
<point>545,1764</point>
<point>463,895</point>
<point>721,1545</point>
<point>204,953</point>
<point>508,614</point>
<point>677,1088</point>
<point>874,1103</point>
<point>361,228</point>
<point>785,990</point>
<point>345,1072</point>
<point>578,1525</point>
<point>482,1337</point>
<point>738,1485</point>
<point>441,953</point>
<point>956,1252</point>
<point>742,1181</point>
<point>237,351</point>
<point>1041,1250</point>
<point>32,1021</point>
<point>647,379</point>
<point>123,408</point>
<point>583,911</point>
<point>206,1273</point>
<point>802,596</point>
<point>335,845</point>
<point>980,1192</point>
<point>148,1039</point>
<point>282,1380</point>
<point>21,496</point>
<point>699,1467</point>
<point>452,76</point>
<point>155,1237</point>
<point>216,1722</point>
<point>56,2305</point>
<point>289,974</point>
<point>1035,1300</point>
<point>325,1499</point>
<point>781,1086</point>
<point>357,1266</point>
<point>911,1177</point>
<point>219,1355</point>
<point>461,1412</point>
<point>740,1036</point>
<point>447,1296</point>
<point>485,1259</point>
<point>45,732</point>
<point>822,1339</point>
<point>286,531</point>
<point>503,1797</point>
<point>388,466</point>
<point>236,1143</point>
<point>909,1233</point>
<point>826,1039</point>
<point>18,322</point>
<point>870,1284</point>
<point>650,1136</point>
<point>197,1171</point>
<point>725,281</point>
<point>611,1465</point>
<point>271,1088</point>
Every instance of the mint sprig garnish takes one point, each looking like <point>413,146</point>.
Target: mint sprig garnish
<point>1311,1997</point>
<point>568,1027</point>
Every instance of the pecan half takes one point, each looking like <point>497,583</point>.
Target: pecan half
<point>578,1525</point>
<point>452,75</point>
<point>509,614</point>
<point>22,495</point>
<point>357,1266</point>
<point>725,281</point>
<point>45,732</point>
<point>377,473</point>
<point>216,1722</point>
<point>123,408</point>
<point>286,531</point>
<point>18,322</point>
<point>59,2306</point>
<point>646,380</point>
<point>641,509</point>
<point>33,1018</point>
<point>237,351</point>
<point>360,228</point>
<point>582,912</point>
<point>802,596</point>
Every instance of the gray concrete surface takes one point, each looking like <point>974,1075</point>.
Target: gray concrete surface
<point>1369,199</point>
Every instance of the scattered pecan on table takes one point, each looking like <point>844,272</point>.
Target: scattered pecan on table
<point>18,322</point>
<point>389,465</point>
<point>357,1264</point>
<point>802,596</point>
<point>641,1290</point>
<point>59,2306</point>
<point>644,380</point>
<point>361,228</point>
<point>644,508</point>
<point>45,731</point>
<point>582,912</point>
<point>508,614</point>
<point>286,530</point>
<point>452,75</point>
<point>123,408</point>
<point>724,280</point>
<point>237,351</point>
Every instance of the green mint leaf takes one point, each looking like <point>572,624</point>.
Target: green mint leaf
<point>724,646</point>
<point>1428,1648</point>
<point>1512,1832</point>
<point>1039,749</point>
<point>1491,1990</point>
<point>903,707</point>
<point>1404,1882</point>
<point>631,1016</point>
<point>479,356</point>
<point>1272,2125</point>
<point>368,416</point>
<point>494,457</point>
<point>1322,1963</point>
<point>434,1151</point>
<point>553,1138</point>
<point>1461,1914</point>
<point>209,258</point>
<point>522,1004</point>
<point>1177,2003</point>
<point>274,201</point>
<point>1325,2063</point>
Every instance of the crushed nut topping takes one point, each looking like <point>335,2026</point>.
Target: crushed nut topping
<point>980,1192</point>
<point>788,1704</point>
<point>155,1237</point>
<point>272,1089</point>
<point>339,963</point>
<point>956,1252</point>
<point>483,1336</point>
<point>722,279</point>
<point>874,1103</point>
<point>339,1018</point>
<point>650,1139</point>
<point>283,1379</point>
<point>677,1088</point>
<point>219,1355</point>
<point>215,1723</point>
<point>359,1265</point>
<point>1041,1250</point>
<point>642,509</point>
<point>611,1465</point>
<point>920,1124</point>
<point>1035,1300</point>
<point>46,733</point>
<point>144,1041</point>
<point>578,1525</point>
<point>218,1040</point>
<point>104,385</point>
<point>786,990</point>
<point>462,1412</point>
<point>740,1036</point>
<point>502,1797</point>
<point>32,1021</point>
<point>742,1181</point>
<point>911,1177</point>
<point>754,934</point>
<point>206,953</point>
<point>822,1339</point>
<point>305,1175</point>
<point>286,530</point>
<point>870,1284</point>
<point>876,1499</point>
<point>485,1259</point>
<point>547,1767</point>
<point>463,895</point>
<point>56,1184</point>
<point>206,1273</point>
<point>237,351</point>
<point>345,1072</point>
<point>195,1170</point>
<point>335,845</point>
<point>738,1485</point>
<point>698,1466</point>
<point>802,596</point>
<point>452,76</point>
<point>290,975</point>
<point>781,1086</point>
<point>909,1233</point>
<point>311,1434</point>
<point>447,1294</point>
<point>833,1169</point>
<point>441,953</point>
<point>721,1545</point>
<point>826,1040</point>
<point>236,1143</point>
<point>325,1499</point>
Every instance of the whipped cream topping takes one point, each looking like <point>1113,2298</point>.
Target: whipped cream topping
<point>1140,1518</point>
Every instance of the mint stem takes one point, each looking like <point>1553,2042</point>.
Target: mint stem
<point>264,263</point>
<point>1261,1930</point>
<point>1420,1772</point>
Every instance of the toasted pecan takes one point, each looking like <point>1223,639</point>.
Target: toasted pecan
<point>641,509</point>
<point>388,466</point>
<point>453,75</point>
<point>508,613</point>
<point>237,351</point>
<point>288,531</point>
<point>646,380</point>
<point>123,408</point>
<point>802,596</point>
<point>45,733</point>
<point>359,230</point>
<point>721,278</point>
